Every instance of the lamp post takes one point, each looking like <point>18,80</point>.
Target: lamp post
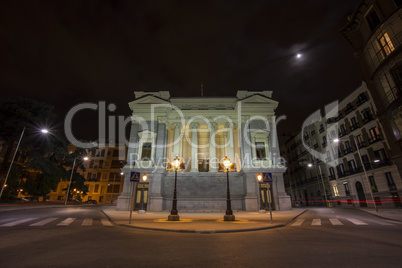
<point>71,178</point>
<point>144,178</point>
<point>268,197</point>
<point>364,169</point>
<point>229,213</point>
<point>44,131</point>
<point>174,216</point>
<point>328,204</point>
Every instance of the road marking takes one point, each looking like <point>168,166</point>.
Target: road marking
<point>87,222</point>
<point>5,220</point>
<point>66,222</point>
<point>43,222</point>
<point>298,222</point>
<point>335,221</point>
<point>316,222</point>
<point>18,222</point>
<point>356,222</point>
<point>105,222</point>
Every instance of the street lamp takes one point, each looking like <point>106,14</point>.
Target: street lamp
<point>71,178</point>
<point>267,197</point>
<point>323,185</point>
<point>229,213</point>
<point>45,131</point>
<point>364,169</point>
<point>144,178</point>
<point>174,213</point>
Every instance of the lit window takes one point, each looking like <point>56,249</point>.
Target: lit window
<point>335,189</point>
<point>385,45</point>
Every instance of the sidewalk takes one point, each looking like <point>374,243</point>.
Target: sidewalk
<point>203,222</point>
<point>394,214</point>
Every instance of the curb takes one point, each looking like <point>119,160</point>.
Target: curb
<point>206,231</point>
<point>379,216</point>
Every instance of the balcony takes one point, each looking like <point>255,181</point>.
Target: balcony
<point>321,129</point>
<point>367,119</point>
<point>341,174</point>
<point>392,187</point>
<point>382,163</point>
<point>347,151</point>
<point>343,133</point>
<point>392,95</point>
<point>348,109</point>
<point>373,139</point>
<point>332,177</point>
<point>361,144</point>
<point>354,126</point>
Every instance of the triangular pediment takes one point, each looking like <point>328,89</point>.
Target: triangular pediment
<point>258,99</point>
<point>149,99</point>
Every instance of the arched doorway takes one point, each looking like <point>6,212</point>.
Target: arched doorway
<point>360,194</point>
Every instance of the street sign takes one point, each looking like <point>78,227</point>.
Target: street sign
<point>267,177</point>
<point>135,176</point>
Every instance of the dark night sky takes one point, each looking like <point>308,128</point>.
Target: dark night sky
<point>69,52</point>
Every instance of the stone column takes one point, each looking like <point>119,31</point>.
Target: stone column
<point>229,142</point>
<point>212,148</point>
<point>176,141</point>
<point>194,146</point>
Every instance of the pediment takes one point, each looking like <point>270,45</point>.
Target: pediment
<point>258,99</point>
<point>149,99</point>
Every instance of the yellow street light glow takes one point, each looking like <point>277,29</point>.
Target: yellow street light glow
<point>337,140</point>
<point>85,158</point>
<point>121,173</point>
<point>45,131</point>
<point>176,162</point>
<point>309,165</point>
<point>226,162</point>
<point>144,177</point>
<point>259,177</point>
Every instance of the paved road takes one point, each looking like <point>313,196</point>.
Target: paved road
<point>325,238</point>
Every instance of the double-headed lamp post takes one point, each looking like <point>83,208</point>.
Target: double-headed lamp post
<point>44,131</point>
<point>71,178</point>
<point>364,169</point>
<point>327,203</point>
<point>144,178</point>
<point>229,213</point>
<point>174,216</point>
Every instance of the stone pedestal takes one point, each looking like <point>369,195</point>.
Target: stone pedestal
<point>229,217</point>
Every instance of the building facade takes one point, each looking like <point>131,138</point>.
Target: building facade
<point>202,131</point>
<point>374,30</point>
<point>102,173</point>
<point>324,162</point>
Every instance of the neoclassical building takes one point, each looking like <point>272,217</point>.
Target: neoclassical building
<point>201,131</point>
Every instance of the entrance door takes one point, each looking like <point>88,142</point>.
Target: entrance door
<point>396,200</point>
<point>139,194</point>
<point>265,198</point>
<point>360,194</point>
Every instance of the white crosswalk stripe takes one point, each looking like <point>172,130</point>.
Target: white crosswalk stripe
<point>6,220</point>
<point>13,223</point>
<point>43,222</point>
<point>335,221</point>
<point>105,222</point>
<point>316,222</point>
<point>66,222</point>
<point>298,222</point>
<point>356,222</point>
<point>87,222</point>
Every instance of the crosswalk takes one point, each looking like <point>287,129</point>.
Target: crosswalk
<point>339,222</point>
<point>37,222</point>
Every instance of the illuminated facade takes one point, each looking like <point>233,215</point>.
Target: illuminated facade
<point>202,131</point>
<point>374,31</point>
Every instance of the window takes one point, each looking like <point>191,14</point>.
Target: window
<point>342,130</point>
<point>98,176</point>
<point>335,189</point>
<point>104,177</point>
<point>341,170</point>
<point>332,173</point>
<point>374,134</point>
<point>352,166</point>
<point>360,141</point>
<point>348,148</point>
<point>115,152</point>
<point>101,164</point>
<point>367,115</point>
<point>361,98</point>
<point>324,141</point>
<point>89,175</point>
<point>328,159</point>
<point>103,153</point>
<point>373,184</point>
<point>347,191</point>
<point>385,45</point>
<point>260,150</point>
<point>146,151</point>
<point>380,155</point>
<point>109,152</point>
<point>390,181</point>
<point>91,164</point>
<point>372,19</point>
<point>354,123</point>
<point>366,162</point>
<point>96,188</point>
